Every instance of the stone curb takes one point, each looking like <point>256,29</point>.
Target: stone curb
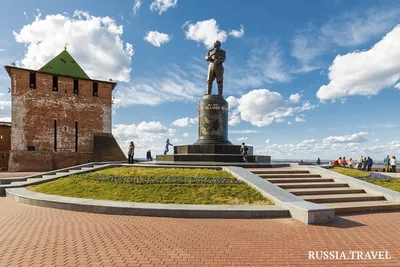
<point>25,196</point>
<point>304,211</point>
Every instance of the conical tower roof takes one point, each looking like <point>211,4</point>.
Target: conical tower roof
<point>65,65</point>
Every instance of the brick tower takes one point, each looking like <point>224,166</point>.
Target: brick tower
<point>59,117</point>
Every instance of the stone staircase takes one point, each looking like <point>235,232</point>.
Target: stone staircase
<point>325,191</point>
<point>6,183</point>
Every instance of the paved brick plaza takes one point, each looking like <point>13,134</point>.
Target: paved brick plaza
<point>35,236</point>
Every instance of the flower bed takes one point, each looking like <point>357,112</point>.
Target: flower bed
<point>168,180</point>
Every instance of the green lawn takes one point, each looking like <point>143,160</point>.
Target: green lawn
<point>350,172</point>
<point>164,172</point>
<point>83,186</point>
<point>392,183</point>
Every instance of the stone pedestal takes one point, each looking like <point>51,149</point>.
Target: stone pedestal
<point>213,144</point>
<point>213,121</point>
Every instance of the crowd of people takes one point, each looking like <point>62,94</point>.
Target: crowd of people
<point>365,163</point>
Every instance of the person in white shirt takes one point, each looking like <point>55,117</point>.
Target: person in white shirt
<point>393,163</point>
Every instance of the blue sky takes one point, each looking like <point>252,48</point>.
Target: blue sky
<point>304,79</point>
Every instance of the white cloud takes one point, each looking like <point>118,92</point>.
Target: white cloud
<point>355,29</point>
<point>267,141</point>
<point>295,98</point>
<point>289,122</point>
<point>243,131</point>
<point>145,135</point>
<point>5,107</point>
<point>234,114</point>
<point>299,119</point>
<point>353,138</point>
<point>262,107</point>
<point>1,50</point>
<point>185,135</point>
<point>136,6</point>
<point>157,38</point>
<point>384,125</point>
<point>162,5</point>
<point>349,29</point>
<point>237,33</point>
<point>265,65</point>
<point>376,140</point>
<point>206,32</point>
<point>309,141</point>
<point>185,122</point>
<point>366,72</point>
<point>241,139</point>
<point>397,86</point>
<point>232,102</point>
<point>172,84</point>
<point>103,55</point>
<point>5,119</point>
<point>307,47</point>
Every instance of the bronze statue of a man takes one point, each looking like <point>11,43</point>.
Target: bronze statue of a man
<point>216,56</point>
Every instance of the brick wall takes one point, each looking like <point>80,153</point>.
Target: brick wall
<point>35,110</point>
<point>5,145</point>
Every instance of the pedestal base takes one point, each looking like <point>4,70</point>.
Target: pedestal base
<point>212,153</point>
<point>213,158</point>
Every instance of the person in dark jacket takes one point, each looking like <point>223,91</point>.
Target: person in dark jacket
<point>148,156</point>
<point>318,161</point>
<point>369,164</point>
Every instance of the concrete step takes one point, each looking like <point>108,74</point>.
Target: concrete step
<point>62,173</point>
<point>325,191</point>
<point>47,176</point>
<point>364,206</point>
<point>279,171</point>
<point>342,198</point>
<point>33,180</point>
<point>86,168</point>
<point>10,180</point>
<point>301,175</point>
<point>311,185</point>
<point>74,171</point>
<point>299,180</point>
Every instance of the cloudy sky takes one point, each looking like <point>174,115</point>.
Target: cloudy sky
<point>303,79</point>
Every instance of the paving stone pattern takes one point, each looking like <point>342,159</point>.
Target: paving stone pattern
<point>36,236</point>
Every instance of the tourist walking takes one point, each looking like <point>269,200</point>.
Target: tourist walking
<point>369,164</point>
<point>359,163</point>
<point>393,163</point>
<point>131,152</point>
<point>387,163</point>
<point>148,155</point>
<point>351,163</point>
<point>243,151</point>
<point>167,145</point>
<point>318,161</point>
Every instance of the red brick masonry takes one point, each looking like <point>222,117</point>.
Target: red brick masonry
<point>35,236</point>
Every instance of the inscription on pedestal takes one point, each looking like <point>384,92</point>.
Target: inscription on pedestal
<point>213,120</point>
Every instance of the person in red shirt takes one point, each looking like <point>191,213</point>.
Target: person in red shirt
<point>344,162</point>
